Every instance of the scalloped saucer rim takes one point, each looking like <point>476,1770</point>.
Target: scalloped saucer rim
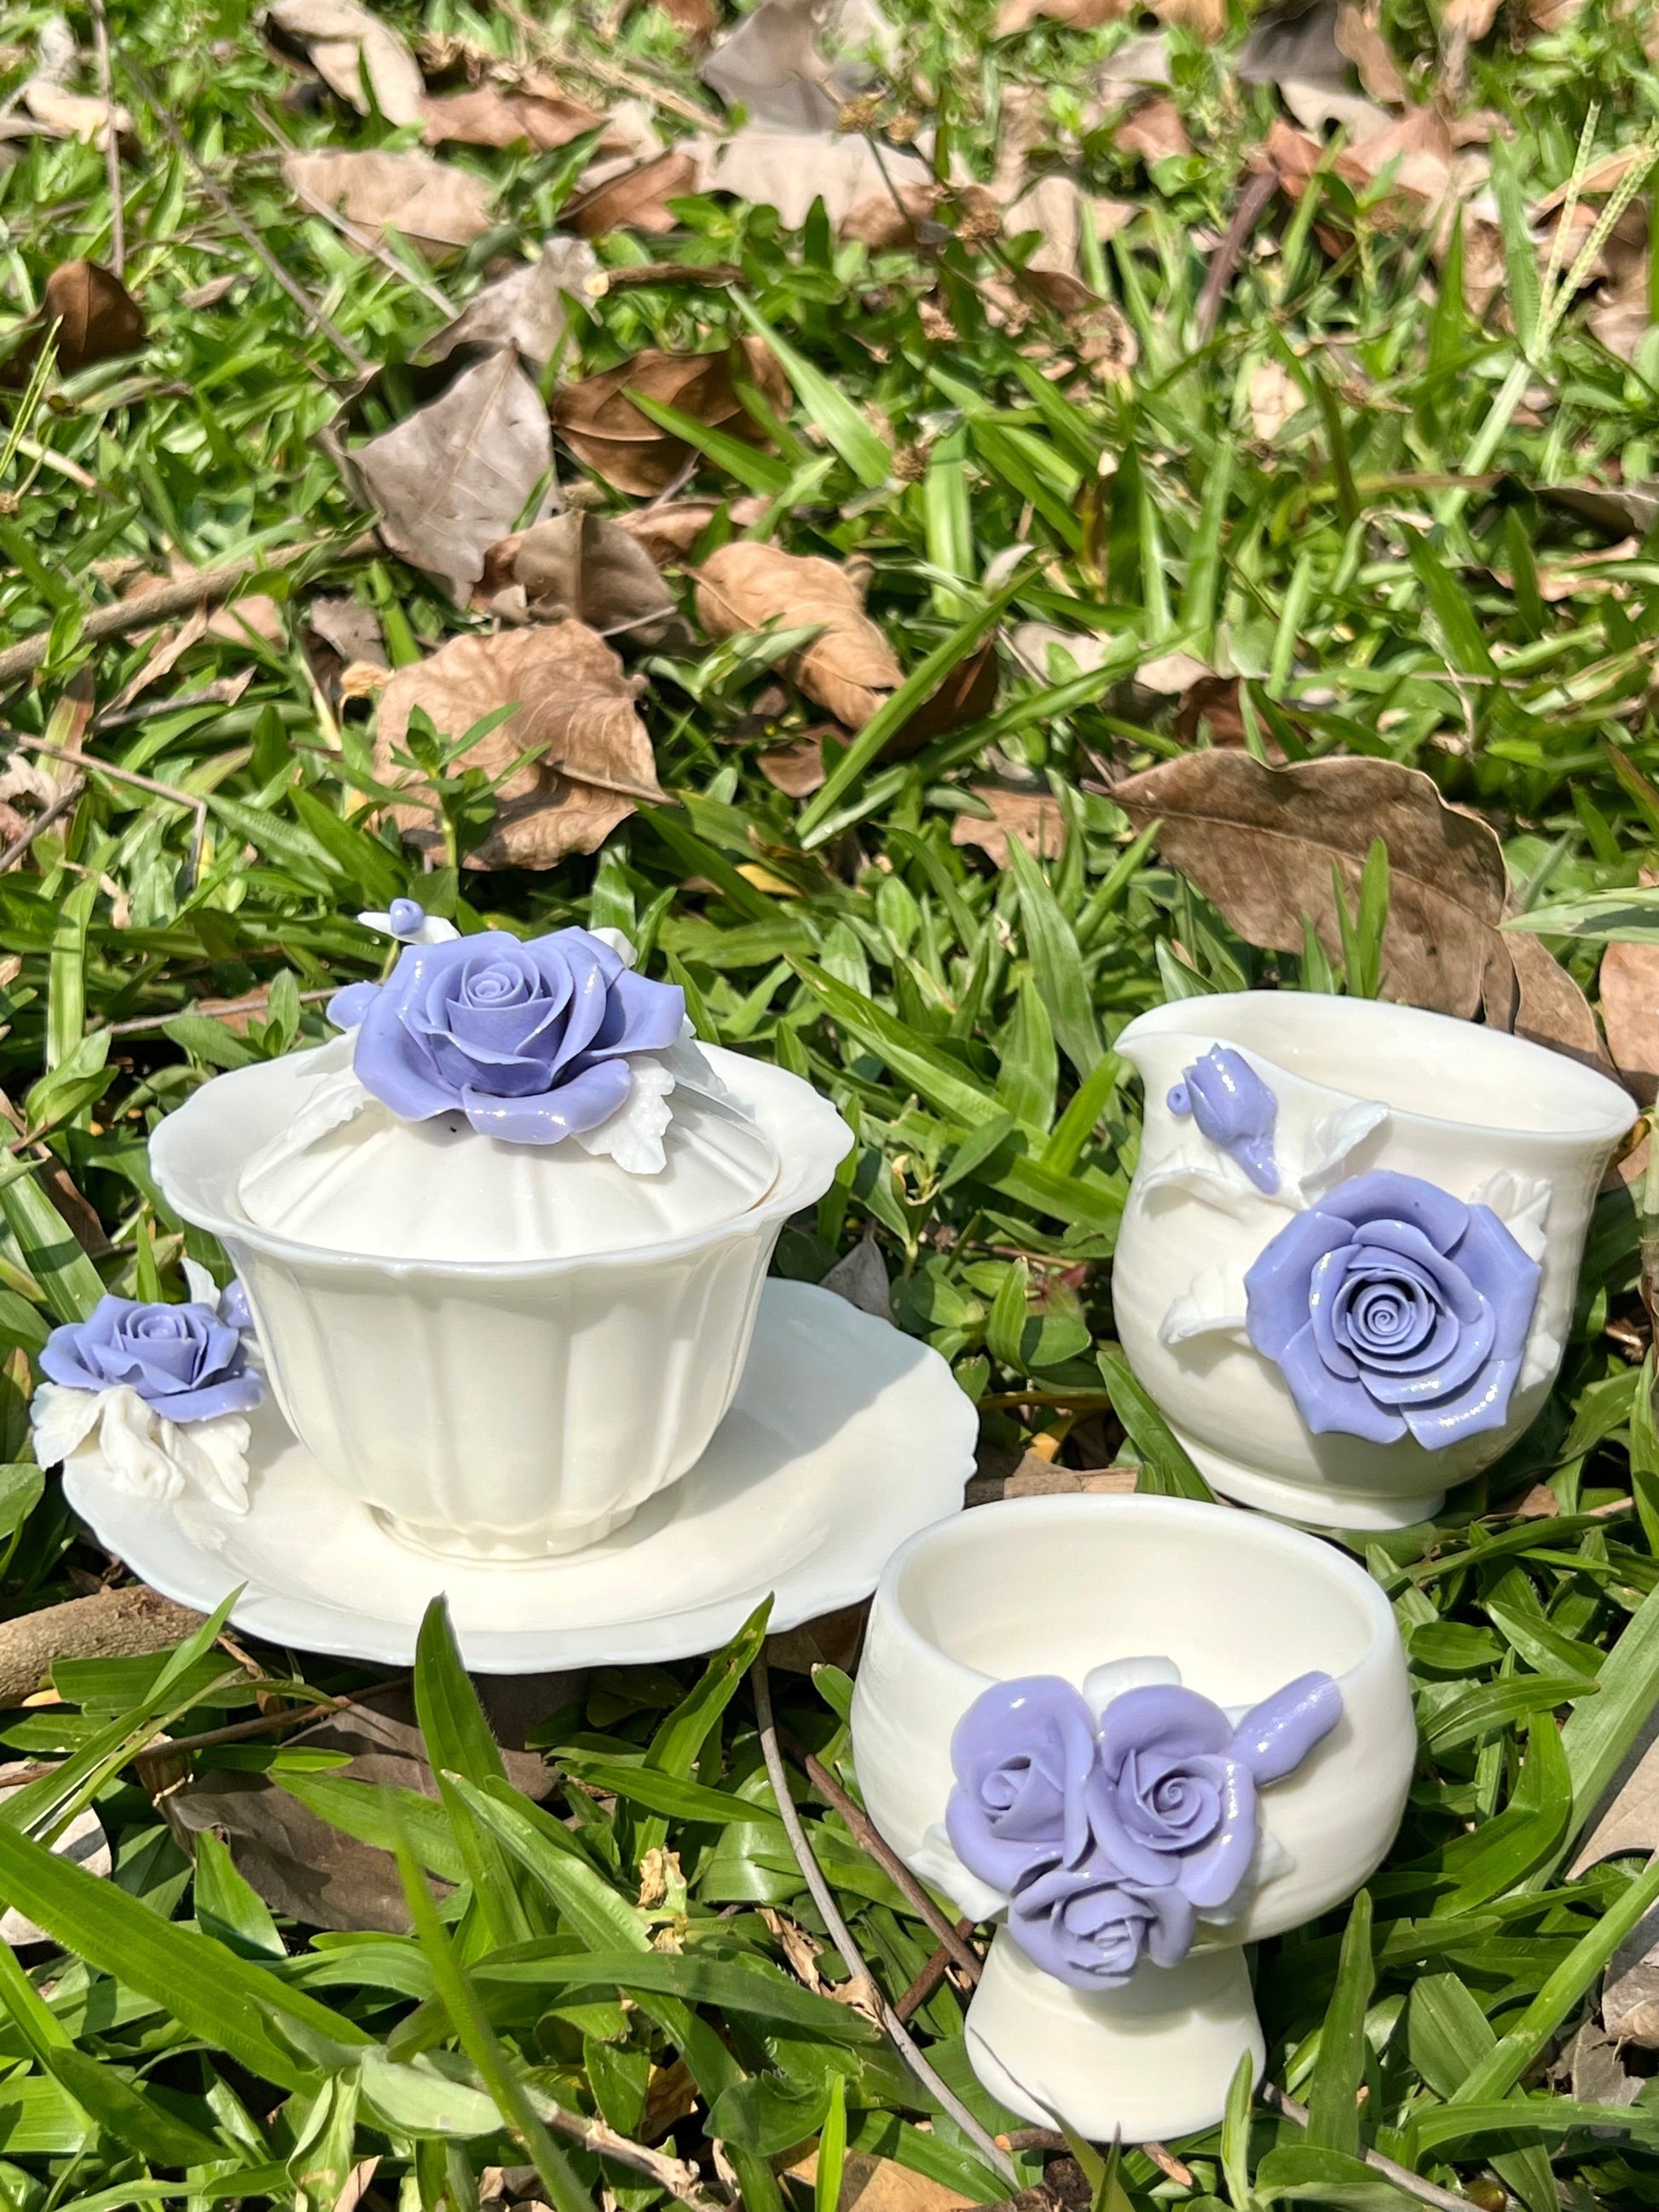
<point>845,1438</point>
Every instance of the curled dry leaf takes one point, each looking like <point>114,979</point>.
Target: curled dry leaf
<point>97,317</point>
<point>591,758</point>
<point>436,208</point>
<point>349,628</point>
<point>489,114</point>
<point>1261,843</point>
<point>1155,131</point>
<point>796,769</point>
<point>525,309</point>
<point>346,44</point>
<point>583,566</point>
<point>1033,817</point>
<point>669,531</point>
<point>848,667</point>
<point>454,477</point>
<point>637,200</point>
<point>598,420</point>
<point>1628,987</point>
<point>68,115</point>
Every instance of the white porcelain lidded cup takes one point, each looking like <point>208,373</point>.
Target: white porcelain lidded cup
<point>502,1317</point>
<point>1348,1261</point>
<point>1140,1733</point>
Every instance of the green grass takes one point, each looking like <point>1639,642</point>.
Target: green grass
<point>1388,577</point>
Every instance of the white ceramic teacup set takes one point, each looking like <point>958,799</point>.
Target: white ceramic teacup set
<point>502,1249</point>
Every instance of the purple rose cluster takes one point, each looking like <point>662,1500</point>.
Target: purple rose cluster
<point>1111,1836</point>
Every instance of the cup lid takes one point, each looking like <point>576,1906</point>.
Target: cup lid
<point>438,1189</point>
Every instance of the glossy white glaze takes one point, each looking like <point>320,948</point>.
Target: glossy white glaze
<point>1060,1585</point>
<point>1457,1105</point>
<point>499,1408</point>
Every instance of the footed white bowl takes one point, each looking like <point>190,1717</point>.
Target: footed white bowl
<point>498,1409</point>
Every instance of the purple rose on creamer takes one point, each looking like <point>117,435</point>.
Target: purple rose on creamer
<point>1024,1754</point>
<point>529,1041</point>
<point>1393,1309</point>
<point>1234,1109</point>
<point>185,1361</point>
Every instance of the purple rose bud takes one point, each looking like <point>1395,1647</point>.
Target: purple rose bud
<point>529,1041</point>
<point>406,916</point>
<point>1234,1109</point>
<point>183,1360</point>
<point>1393,1310</point>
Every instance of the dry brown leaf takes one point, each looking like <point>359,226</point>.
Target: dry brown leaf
<point>357,2184</point>
<point>345,42</point>
<point>968,694</point>
<point>97,317</point>
<point>788,170</point>
<point>1275,396</point>
<point>669,531</point>
<point>795,64</point>
<point>74,114</point>
<point>1631,1822</point>
<point>1359,36</point>
<point>349,630</point>
<point>582,566</point>
<point>1211,706</point>
<point>453,477</point>
<point>1016,16</point>
<point>526,308</point>
<point>1628,987</point>
<point>1205,19</point>
<point>637,200</point>
<point>796,769</point>
<point>575,712</point>
<point>1260,843</point>
<point>1630,2013</point>
<point>882,2184</point>
<point>501,115</point>
<point>1473,18</point>
<point>435,207</point>
<point>697,18</point>
<point>861,1277</point>
<point>599,422</point>
<point>1034,816</point>
<point>1155,131</point>
<point>848,667</point>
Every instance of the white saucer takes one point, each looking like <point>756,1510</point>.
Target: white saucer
<point>846,1437</point>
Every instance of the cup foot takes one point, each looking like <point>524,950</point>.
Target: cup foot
<point>1150,2062</point>
<point>1315,1508</point>
<point>495,1549</point>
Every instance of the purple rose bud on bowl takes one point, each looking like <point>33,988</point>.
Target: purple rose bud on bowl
<point>1392,1310</point>
<point>1090,1926</point>
<point>182,1360</point>
<point>529,1041</point>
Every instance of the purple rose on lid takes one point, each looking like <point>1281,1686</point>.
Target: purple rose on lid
<point>185,1361</point>
<point>1234,1109</point>
<point>1393,1309</point>
<point>529,1041</point>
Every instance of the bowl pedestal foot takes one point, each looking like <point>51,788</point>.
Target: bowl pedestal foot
<point>1328,1508</point>
<point>1151,2061</point>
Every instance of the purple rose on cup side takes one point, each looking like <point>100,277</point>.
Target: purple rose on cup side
<point>1178,1800</point>
<point>529,1041</point>
<point>1393,1309</point>
<point>1024,1754</point>
<point>1234,1109</point>
<point>185,1361</point>
<point>1090,1926</point>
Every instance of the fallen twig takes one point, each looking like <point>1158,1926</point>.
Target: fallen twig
<point>118,242</point>
<point>1253,204</point>
<point>680,2179</point>
<point>865,1834</point>
<point>929,1979</point>
<point>43,821</point>
<point>841,1936</point>
<point>1426,2192</point>
<point>207,587</point>
<point>118,1624</point>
